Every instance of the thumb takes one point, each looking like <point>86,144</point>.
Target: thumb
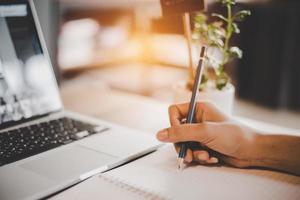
<point>186,132</point>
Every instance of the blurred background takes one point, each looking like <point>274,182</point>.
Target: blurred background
<point>126,45</point>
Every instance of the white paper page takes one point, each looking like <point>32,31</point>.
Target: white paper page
<point>107,187</point>
<point>158,172</point>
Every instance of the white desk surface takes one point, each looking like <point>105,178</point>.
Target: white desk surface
<point>134,111</point>
<point>128,110</point>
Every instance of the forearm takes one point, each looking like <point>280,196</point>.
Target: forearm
<point>279,152</point>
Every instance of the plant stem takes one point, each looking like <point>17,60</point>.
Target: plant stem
<point>228,34</point>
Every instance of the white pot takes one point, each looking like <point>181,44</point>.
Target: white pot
<point>223,99</point>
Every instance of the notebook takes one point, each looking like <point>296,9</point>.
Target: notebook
<point>156,177</point>
<point>109,187</point>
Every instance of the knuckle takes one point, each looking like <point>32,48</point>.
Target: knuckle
<point>171,108</point>
<point>205,104</point>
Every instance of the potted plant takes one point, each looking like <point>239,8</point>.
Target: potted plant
<point>217,34</point>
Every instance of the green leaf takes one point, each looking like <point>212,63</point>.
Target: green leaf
<point>241,15</point>
<point>203,83</point>
<point>220,33</point>
<point>200,18</point>
<point>219,43</point>
<point>230,2</point>
<point>221,83</point>
<point>222,80</point>
<point>236,52</point>
<point>219,16</point>
<point>235,28</point>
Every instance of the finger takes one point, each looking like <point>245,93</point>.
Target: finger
<point>210,113</point>
<point>204,157</point>
<point>212,160</point>
<point>201,155</point>
<point>209,162</point>
<point>176,114</point>
<point>201,162</point>
<point>202,133</point>
<point>189,156</point>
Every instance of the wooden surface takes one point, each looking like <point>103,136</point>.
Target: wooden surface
<point>134,111</point>
<point>94,98</point>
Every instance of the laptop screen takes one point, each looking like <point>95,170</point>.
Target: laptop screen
<point>27,84</point>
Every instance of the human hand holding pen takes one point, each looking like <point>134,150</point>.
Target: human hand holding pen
<point>236,144</point>
<point>206,133</point>
<point>218,132</point>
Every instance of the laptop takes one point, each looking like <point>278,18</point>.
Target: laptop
<point>44,149</point>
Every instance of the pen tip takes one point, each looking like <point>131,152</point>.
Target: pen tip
<point>180,164</point>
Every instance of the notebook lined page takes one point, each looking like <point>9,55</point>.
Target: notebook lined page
<point>108,187</point>
<point>156,176</point>
<point>159,172</point>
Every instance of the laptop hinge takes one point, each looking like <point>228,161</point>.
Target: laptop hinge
<point>23,121</point>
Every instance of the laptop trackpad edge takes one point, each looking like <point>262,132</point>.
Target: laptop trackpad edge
<point>68,163</point>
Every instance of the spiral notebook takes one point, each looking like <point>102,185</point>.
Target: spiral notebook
<point>109,187</point>
<point>156,176</point>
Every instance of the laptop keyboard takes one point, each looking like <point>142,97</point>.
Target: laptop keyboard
<point>27,141</point>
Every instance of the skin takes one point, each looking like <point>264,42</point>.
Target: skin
<point>233,143</point>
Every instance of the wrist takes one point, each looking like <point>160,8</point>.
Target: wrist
<point>256,148</point>
<point>262,153</point>
<point>247,143</point>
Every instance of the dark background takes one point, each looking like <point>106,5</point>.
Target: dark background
<point>269,73</point>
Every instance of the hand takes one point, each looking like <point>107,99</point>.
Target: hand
<point>231,140</point>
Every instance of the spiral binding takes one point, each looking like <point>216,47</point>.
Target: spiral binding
<point>137,190</point>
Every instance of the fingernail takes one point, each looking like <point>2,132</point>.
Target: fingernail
<point>162,135</point>
<point>214,160</point>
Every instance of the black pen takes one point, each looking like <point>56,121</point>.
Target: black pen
<point>192,106</point>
